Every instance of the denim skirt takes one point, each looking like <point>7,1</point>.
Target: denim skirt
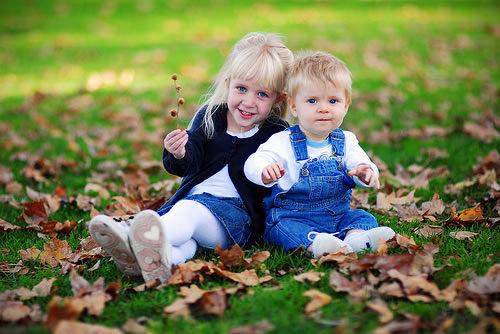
<point>230,211</point>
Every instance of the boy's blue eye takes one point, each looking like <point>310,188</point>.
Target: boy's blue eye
<point>241,89</point>
<point>262,94</point>
<point>311,101</point>
<point>334,101</point>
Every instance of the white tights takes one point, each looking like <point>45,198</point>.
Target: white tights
<point>189,223</point>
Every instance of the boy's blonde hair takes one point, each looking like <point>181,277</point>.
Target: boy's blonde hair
<point>258,56</point>
<point>318,67</point>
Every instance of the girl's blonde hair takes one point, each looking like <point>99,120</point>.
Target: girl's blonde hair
<point>258,56</point>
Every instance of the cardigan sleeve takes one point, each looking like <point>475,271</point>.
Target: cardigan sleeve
<point>191,162</point>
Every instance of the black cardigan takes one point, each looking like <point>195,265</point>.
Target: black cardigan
<point>205,157</point>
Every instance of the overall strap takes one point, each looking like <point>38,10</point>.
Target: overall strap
<point>298,141</point>
<point>337,139</point>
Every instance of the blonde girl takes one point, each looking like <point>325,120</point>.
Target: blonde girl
<point>215,203</point>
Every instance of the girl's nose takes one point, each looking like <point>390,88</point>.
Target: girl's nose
<point>249,100</point>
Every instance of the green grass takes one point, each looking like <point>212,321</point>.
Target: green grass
<point>440,53</point>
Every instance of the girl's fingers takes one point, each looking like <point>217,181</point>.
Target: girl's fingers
<point>175,141</point>
<point>179,143</point>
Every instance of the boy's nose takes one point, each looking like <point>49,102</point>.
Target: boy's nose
<point>322,109</point>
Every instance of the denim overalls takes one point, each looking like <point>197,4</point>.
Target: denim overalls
<point>318,202</point>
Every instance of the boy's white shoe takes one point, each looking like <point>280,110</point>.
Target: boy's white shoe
<point>112,235</point>
<point>327,243</point>
<point>369,239</point>
<point>150,246</point>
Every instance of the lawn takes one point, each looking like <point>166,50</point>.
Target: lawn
<point>85,96</point>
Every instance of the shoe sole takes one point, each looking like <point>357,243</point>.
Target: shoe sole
<point>148,244</point>
<point>105,235</point>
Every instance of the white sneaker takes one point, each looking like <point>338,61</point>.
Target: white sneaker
<point>150,246</point>
<point>326,243</point>
<point>112,235</point>
<point>369,239</point>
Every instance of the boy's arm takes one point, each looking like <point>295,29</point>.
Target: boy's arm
<point>267,153</point>
<point>191,161</point>
<point>356,156</point>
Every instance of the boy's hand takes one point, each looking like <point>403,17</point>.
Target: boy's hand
<point>272,172</point>
<point>366,175</point>
<point>175,143</point>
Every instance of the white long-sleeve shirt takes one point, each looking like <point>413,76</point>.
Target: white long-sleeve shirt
<point>278,148</point>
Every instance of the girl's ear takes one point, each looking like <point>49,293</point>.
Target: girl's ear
<point>280,98</point>
<point>291,106</point>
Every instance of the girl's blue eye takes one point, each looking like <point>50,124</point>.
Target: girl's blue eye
<point>311,101</point>
<point>334,101</point>
<point>241,89</point>
<point>262,94</point>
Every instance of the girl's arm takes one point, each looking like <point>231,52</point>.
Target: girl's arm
<point>191,162</point>
<point>356,156</point>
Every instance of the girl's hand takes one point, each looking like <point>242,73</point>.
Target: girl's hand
<point>175,143</point>
<point>272,172</point>
<point>366,175</point>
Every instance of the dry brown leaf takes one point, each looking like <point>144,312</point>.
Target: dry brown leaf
<point>380,307</point>
<point>409,325</point>
<point>6,226</point>
<point>247,277</point>
<point>318,300</point>
<point>487,284</point>
<point>12,311</point>
<point>179,308</point>
<point>428,231</point>
<point>17,268</point>
<point>463,235</point>
<point>433,207</point>
<point>483,133</point>
<point>132,326</point>
<point>467,216</point>
<point>258,258</point>
<point>340,283</point>
<point>310,276</point>
<point>339,257</point>
<point>35,213</point>
<point>76,327</point>
<point>213,302</point>
<point>231,257</point>
<point>55,252</point>
<point>262,327</point>
<point>103,192</point>
<point>60,309</point>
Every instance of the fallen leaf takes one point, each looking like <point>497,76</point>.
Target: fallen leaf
<point>318,300</point>
<point>380,307</point>
<point>429,231</point>
<point>213,302</point>
<point>463,235</point>
<point>76,327</point>
<point>231,257</point>
<point>35,213</point>
<point>262,327</point>
<point>467,216</point>
<point>6,226</point>
<point>310,276</point>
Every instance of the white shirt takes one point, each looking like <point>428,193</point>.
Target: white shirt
<point>220,183</point>
<point>279,149</point>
